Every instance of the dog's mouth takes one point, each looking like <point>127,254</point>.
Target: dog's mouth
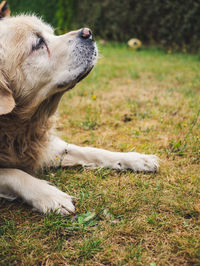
<point>69,85</point>
<point>84,74</point>
<point>84,64</point>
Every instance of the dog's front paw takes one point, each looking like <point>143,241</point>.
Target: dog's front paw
<point>138,162</point>
<point>48,198</point>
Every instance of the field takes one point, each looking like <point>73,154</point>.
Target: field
<point>147,101</point>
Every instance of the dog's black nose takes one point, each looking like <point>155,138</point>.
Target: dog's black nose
<point>86,33</point>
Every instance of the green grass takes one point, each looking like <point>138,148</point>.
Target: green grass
<point>147,101</point>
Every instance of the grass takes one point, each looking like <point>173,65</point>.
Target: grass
<point>147,101</point>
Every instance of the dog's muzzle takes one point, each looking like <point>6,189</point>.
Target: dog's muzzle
<point>84,57</point>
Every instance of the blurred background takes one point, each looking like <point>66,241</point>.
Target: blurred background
<point>174,24</point>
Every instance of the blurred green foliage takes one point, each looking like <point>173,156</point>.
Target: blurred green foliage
<point>44,8</point>
<point>171,23</point>
<point>64,15</point>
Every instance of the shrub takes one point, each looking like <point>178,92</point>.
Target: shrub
<point>170,23</point>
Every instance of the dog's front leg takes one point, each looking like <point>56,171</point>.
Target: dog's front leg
<point>68,155</point>
<point>94,158</point>
<point>43,196</point>
<point>64,154</point>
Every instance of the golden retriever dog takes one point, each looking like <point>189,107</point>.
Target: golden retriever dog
<point>36,69</point>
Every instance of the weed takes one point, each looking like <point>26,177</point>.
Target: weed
<point>88,248</point>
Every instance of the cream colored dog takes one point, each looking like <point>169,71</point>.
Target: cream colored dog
<point>36,68</point>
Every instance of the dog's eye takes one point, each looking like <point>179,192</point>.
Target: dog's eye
<point>40,43</point>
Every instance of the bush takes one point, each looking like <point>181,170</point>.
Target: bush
<point>64,15</point>
<point>170,23</point>
<point>44,8</point>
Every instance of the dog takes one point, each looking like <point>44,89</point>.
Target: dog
<point>36,69</point>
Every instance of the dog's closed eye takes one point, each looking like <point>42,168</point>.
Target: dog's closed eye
<point>39,44</point>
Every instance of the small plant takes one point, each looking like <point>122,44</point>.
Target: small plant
<point>88,248</point>
<point>89,125</point>
<point>179,147</point>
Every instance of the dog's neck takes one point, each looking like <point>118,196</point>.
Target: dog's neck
<point>29,111</point>
<point>23,121</point>
<point>22,138</point>
<point>23,133</point>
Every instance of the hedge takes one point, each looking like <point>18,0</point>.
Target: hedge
<point>170,23</point>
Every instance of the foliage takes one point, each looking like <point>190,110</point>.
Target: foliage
<point>64,15</point>
<point>45,8</point>
<point>170,23</point>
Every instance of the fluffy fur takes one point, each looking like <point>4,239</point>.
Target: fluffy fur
<point>36,68</point>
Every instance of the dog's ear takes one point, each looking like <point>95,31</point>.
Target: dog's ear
<point>7,102</point>
<point>4,10</point>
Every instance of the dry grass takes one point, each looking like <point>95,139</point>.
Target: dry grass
<point>148,101</point>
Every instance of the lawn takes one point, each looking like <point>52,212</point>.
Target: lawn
<point>147,101</point>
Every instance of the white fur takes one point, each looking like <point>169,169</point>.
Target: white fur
<point>99,158</point>
<point>39,193</point>
<point>61,153</point>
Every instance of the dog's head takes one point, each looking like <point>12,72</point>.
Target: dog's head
<point>36,65</point>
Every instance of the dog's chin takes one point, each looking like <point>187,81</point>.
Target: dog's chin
<point>69,85</point>
<point>84,74</point>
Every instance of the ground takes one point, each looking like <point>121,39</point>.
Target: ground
<point>147,101</point>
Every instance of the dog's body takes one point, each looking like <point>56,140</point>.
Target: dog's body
<point>36,68</point>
